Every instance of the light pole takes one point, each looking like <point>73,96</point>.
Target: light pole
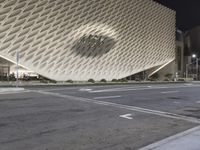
<point>17,68</point>
<point>186,72</point>
<point>197,64</point>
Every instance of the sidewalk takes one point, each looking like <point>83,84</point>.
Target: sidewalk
<point>187,140</point>
<point>10,89</point>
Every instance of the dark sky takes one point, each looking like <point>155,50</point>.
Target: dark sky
<point>187,12</point>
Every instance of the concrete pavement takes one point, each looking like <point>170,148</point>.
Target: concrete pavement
<point>5,90</point>
<point>187,140</point>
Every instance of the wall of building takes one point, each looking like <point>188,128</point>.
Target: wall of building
<point>4,68</point>
<point>194,36</point>
<point>82,39</point>
<point>180,47</point>
<point>169,69</point>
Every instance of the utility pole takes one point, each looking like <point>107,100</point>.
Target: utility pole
<point>197,68</point>
<point>17,68</point>
<point>186,72</point>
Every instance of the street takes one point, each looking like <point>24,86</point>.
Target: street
<point>112,117</point>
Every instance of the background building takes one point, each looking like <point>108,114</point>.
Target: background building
<point>82,39</point>
<point>179,61</point>
<point>194,36</point>
<point>192,48</point>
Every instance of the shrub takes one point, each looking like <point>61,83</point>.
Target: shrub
<point>103,80</point>
<point>114,80</point>
<point>154,77</point>
<point>91,80</point>
<point>181,79</point>
<point>169,76</point>
<point>123,80</point>
<point>12,77</point>
<point>69,81</point>
<point>43,81</point>
<point>52,81</point>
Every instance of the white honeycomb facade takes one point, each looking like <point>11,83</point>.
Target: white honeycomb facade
<point>82,39</point>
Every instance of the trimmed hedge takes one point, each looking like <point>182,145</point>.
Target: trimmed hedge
<point>91,80</point>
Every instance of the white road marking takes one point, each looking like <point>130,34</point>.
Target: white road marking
<point>198,102</point>
<point>127,107</point>
<point>124,89</point>
<point>177,102</point>
<point>85,89</point>
<point>107,97</point>
<point>129,88</point>
<point>126,116</point>
<point>140,88</point>
<point>166,92</point>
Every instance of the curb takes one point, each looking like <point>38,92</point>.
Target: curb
<point>86,84</point>
<point>170,139</point>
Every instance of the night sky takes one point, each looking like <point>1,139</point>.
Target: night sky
<point>187,12</point>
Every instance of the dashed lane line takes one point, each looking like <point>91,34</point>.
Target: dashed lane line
<point>139,89</point>
<point>84,89</point>
<point>129,88</point>
<point>167,92</point>
<point>123,89</point>
<point>133,108</point>
<point>177,102</point>
<point>108,97</point>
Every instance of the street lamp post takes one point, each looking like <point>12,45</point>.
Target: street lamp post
<point>197,64</point>
<point>17,68</point>
<point>197,67</point>
<point>186,72</point>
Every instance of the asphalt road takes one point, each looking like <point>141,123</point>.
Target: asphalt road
<point>115,117</point>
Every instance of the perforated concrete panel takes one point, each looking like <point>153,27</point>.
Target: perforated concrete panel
<point>82,39</point>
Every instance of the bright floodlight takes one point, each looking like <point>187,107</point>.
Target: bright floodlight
<point>194,55</point>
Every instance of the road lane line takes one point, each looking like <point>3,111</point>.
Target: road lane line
<point>139,89</point>
<point>123,89</point>
<point>127,107</point>
<point>107,97</point>
<point>166,92</point>
<point>118,89</point>
<point>85,89</point>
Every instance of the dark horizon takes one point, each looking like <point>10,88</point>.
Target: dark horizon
<point>187,12</point>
